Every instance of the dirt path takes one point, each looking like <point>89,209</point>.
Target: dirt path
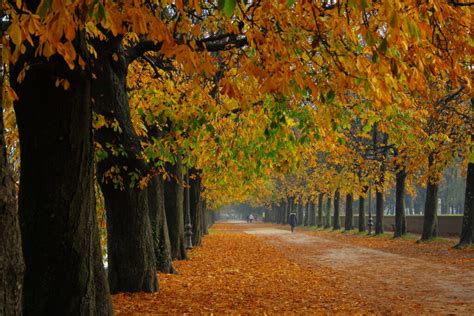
<point>391,279</point>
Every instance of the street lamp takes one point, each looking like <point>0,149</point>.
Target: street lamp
<point>188,228</point>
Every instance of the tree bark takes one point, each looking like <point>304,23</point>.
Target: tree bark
<point>467,233</point>
<point>349,213</point>
<point>306,213</point>
<point>174,202</point>
<point>320,210</point>
<point>204,223</point>
<point>281,212</point>
<point>196,207</point>
<point>289,209</point>
<point>300,213</point>
<point>131,255</point>
<point>431,202</point>
<point>362,211</point>
<point>379,229</point>
<point>327,223</point>
<point>312,214</point>
<point>337,197</point>
<point>12,265</point>
<point>400,226</point>
<point>159,226</point>
<point>64,271</point>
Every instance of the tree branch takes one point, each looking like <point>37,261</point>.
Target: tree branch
<point>460,4</point>
<point>211,44</point>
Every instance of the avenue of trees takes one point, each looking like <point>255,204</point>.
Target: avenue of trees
<point>149,114</point>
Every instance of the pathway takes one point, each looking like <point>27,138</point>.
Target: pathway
<point>390,279</point>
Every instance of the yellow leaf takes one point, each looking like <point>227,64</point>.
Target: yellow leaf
<point>15,34</point>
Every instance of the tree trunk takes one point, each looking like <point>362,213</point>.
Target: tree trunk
<point>300,213</point>
<point>337,198</point>
<point>378,212</point>
<point>312,214</point>
<point>400,227</point>
<point>467,233</point>
<point>281,212</point>
<point>306,214</point>
<point>320,210</point>
<point>174,202</point>
<point>327,223</point>
<point>64,271</point>
<point>159,226</point>
<point>196,207</point>
<point>12,265</point>
<point>349,213</point>
<point>131,256</point>
<point>362,210</point>
<point>204,222</point>
<point>431,202</point>
<point>289,209</point>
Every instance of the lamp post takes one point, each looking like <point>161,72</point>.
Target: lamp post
<point>188,227</point>
<point>371,223</point>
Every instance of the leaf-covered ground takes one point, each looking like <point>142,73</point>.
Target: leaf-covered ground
<point>259,269</point>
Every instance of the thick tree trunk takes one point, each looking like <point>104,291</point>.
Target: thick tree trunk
<point>174,202</point>
<point>430,218</point>
<point>306,213</point>
<point>12,265</point>
<point>131,256</point>
<point>289,209</point>
<point>349,213</point>
<point>337,198</point>
<point>300,213</point>
<point>312,214</point>
<point>400,226</point>
<point>159,226</point>
<point>379,212</point>
<point>64,271</point>
<point>320,210</point>
<point>281,212</point>
<point>467,233</point>
<point>362,211</point>
<point>196,219</point>
<point>327,221</point>
<point>430,215</point>
<point>204,222</point>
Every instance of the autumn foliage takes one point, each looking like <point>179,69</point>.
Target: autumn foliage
<point>238,273</point>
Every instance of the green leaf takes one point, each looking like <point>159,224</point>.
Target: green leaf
<point>413,29</point>
<point>383,46</point>
<point>291,2</point>
<point>367,128</point>
<point>227,6</point>
<point>44,8</point>
<point>330,96</point>
<point>470,159</point>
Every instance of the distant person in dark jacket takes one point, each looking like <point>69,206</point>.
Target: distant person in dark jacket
<point>293,221</point>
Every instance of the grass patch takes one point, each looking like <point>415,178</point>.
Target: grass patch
<point>350,232</point>
<point>409,236</point>
<point>384,235</point>
<point>441,240</point>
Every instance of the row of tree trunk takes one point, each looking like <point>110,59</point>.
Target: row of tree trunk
<point>279,213</point>
<point>63,265</point>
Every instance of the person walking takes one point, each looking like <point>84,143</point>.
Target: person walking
<point>293,221</point>
<point>251,218</point>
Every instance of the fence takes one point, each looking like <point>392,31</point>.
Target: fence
<point>447,224</point>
